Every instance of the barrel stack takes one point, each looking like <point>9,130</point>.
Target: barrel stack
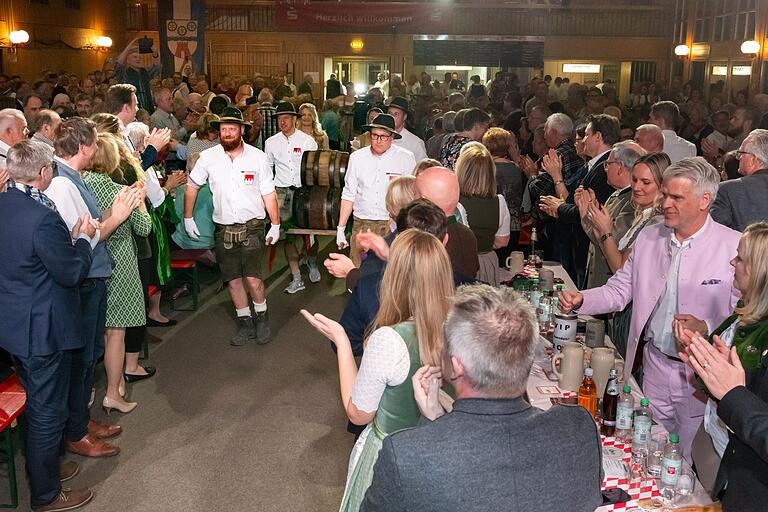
<point>316,205</point>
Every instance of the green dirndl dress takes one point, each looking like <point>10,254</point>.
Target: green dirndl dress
<point>397,410</point>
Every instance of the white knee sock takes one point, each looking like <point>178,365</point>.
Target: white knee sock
<point>258,308</point>
<point>243,312</point>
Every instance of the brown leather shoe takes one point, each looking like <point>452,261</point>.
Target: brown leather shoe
<point>102,430</point>
<point>68,470</point>
<point>67,500</point>
<point>89,446</point>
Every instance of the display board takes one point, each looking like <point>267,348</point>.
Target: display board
<point>463,52</point>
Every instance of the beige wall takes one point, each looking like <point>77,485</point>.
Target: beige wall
<point>47,24</point>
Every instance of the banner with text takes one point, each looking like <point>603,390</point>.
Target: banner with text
<point>361,18</point>
<point>181,36</point>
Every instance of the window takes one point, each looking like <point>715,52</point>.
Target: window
<point>745,20</point>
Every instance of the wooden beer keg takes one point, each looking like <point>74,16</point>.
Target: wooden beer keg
<point>317,207</point>
<point>323,168</point>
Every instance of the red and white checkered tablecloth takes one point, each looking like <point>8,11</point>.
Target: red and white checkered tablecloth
<point>638,490</point>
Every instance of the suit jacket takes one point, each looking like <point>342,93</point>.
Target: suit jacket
<point>596,179</point>
<point>490,455</point>
<point>42,270</point>
<point>745,462</point>
<point>705,282</point>
<point>743,201</point>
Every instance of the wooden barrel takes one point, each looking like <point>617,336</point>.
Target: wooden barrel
<point>323,168</point>
<point>317,207</point>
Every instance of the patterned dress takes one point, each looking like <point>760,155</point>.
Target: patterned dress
<point>125,299</point>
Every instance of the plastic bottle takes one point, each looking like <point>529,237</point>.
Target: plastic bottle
<point>625,409</point>
<point>671,465</point>
<point>588,393</point>
<point>535,294</point>
<point>642,424</point>
<point>544,312</point>
<point>610,401</point>
<point>556,299</point>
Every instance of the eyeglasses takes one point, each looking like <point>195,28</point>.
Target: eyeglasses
<point>740,153</point>
<point>609,162</point>
<point>380,137</point>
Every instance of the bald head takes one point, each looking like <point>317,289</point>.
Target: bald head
<point>439,185</point>
<point>650,138</point>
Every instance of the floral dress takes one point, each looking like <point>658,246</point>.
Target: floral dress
<point>125,299</point>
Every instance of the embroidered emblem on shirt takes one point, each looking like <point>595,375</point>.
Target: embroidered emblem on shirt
<point>711,281</point>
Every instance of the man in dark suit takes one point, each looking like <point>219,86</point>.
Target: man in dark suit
<point>494,451</point>
<point>742,201</point>
<point>40,302</point>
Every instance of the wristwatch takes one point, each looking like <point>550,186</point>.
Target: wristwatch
<point>606,237</point>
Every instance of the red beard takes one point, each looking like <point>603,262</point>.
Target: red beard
<point>231,145</point>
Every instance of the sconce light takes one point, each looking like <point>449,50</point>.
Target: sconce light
<point>102,44</point>
<point>750,47</point>
<point>18,37</point>
<point>682,50</point>
<point>356,44</point>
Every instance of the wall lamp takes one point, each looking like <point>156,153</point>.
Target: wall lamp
<point>102,44</point>
<point>751,48</point>
<point>682,50</point>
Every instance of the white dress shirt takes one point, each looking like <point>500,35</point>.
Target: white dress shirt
<point>237,185</point>
<point>412,143</point>
<point>368,176</point>
<point>69,203</point>
<point>284,154</point>
<point>677,147</point>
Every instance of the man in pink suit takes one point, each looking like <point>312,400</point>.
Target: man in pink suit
<point>678,270</point>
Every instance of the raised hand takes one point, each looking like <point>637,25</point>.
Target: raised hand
<point>331,329</point>
<point>426,391</point>
<point>553,165</point>
<point>568,301</point>
<point>368,241</point>
<point>338,265</point>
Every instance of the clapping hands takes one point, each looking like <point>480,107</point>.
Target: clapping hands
<point>426,391</point>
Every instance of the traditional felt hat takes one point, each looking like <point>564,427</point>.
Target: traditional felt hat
<point>385,122</point>
<point>286,107</point>
<point>399,102</point>
<point>231,115</point>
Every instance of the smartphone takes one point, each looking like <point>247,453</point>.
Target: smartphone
<point>145,45</point>
<point>615,495</point>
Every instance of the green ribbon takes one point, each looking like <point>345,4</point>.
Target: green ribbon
<point>166,212</point>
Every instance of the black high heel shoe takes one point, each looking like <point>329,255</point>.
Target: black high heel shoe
<point>130,378</point>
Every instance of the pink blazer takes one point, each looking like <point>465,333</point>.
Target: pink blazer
<point>705,287</point>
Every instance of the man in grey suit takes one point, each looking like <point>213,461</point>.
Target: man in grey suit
<point>493,451</point>
<point>743,201</point>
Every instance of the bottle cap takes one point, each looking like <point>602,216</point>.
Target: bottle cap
<point>674,438</point>
<point>613,372</point>
<point>644,402</point>
<point>535,280</point>
<point>626,389</point>
<point>588,372</point>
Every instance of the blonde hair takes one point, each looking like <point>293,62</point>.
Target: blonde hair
<point>317,129</point>
<point>106,158</point>
<point>755,247</point>
<point>417,284</point>
<point>476,173</point>
<point>424,164</point>
<point>400,192</point>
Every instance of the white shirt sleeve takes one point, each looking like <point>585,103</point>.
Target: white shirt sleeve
<point>385,362</point>
<point>67,199</point>
<point>503,217</point>
<point>266,181</point>
<point>155,192</point>
<point>349,193</point>
<point>199,174</point>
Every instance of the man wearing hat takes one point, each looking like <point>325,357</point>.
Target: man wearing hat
<point>398,109</point>
<point>369,172</point>
<point>243,194</point>
<point>284,152</point>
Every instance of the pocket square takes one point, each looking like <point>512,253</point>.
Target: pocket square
<point>711,281</point>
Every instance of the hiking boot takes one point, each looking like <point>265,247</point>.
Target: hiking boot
<point>263,331</point>
<point>294,286</point>
<point>245,332</point>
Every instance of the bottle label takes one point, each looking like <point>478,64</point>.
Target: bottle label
<point>642,430</point>
<point>624,417</point>
<point>535,298</point>
<point>609,423</point>
<point>670,471</point>
<point>543,311</point>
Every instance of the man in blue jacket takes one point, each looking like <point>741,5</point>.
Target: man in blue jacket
<point>40,302</point>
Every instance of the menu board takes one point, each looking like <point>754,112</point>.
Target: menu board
<point>478,53</point>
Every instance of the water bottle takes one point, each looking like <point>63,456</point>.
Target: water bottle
<point>671,466</point>
<point>556,299</point>
<point>535,294</point>
<point>624,411</point>
<point>642,424</point>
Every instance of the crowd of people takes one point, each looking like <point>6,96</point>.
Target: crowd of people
<point>656,208</point>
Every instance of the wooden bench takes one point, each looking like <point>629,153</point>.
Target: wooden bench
<point>12,401</point>
<point>191,266</point>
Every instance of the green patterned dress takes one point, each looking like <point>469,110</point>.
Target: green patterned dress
<point>397,410</point>
<point>125,299</point>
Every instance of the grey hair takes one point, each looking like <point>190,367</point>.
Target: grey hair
<point>701,174</point>
<point>448,119</point>
<point>757,144</point>
<point>26,158</point>
<point>492,332</point>
<point>9,117</point>
<point>560,123</point>
<point>136,132</point>
<point>625,153</point>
